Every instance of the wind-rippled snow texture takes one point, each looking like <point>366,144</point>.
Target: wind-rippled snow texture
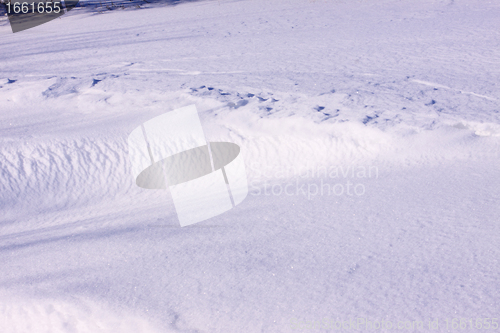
<point>39,315</point>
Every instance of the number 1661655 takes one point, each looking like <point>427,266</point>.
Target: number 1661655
<point>33,8</point>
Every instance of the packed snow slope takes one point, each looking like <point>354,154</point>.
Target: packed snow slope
<point>396,103</point>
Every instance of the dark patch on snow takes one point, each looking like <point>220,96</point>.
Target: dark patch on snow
<point>250,95</point>
<point>368,119</point>
<point>243,102</point>
<point>319,108</point>
<point>9,81</point>
<point>122,4</point>
<point>261,99</point>
<point>210,88</point>
<point>94,82</point>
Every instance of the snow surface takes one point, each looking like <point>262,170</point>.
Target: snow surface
<point>315,93</point>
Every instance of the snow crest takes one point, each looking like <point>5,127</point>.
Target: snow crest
<point>24,314</point>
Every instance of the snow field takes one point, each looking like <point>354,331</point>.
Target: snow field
<point>410,88</point>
